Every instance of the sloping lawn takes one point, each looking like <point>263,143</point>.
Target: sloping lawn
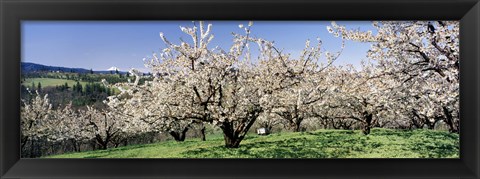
<point>49,82</point>
<point>381,143</point>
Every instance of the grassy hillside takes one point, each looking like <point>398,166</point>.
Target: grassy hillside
<point>49,82</point>
<point>52,82</point>
<point>381,143</point>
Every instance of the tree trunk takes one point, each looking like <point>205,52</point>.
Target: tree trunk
<point>368,123</point>
<point>366,130</point>
<point>202,133</point>
<point>452,127</point>
<point>232,141</point>
<point>76,145</point>
<point>103,146</point>
<point>103,143</point>
<point>415,123</point>
<point>232,138</point>
<point>430,125</point>
<point>176,136</point>
<point>93,144</point>
<point>234,135</point>
<point>152,137</point>
<point>32,148</point>
<point>297,125</point>
<point>24,142</point>
<point>268,129</point>
<point>179,136</point>
<point>184,134</point>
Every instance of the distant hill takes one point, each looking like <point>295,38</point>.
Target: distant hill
<point>28,67</point>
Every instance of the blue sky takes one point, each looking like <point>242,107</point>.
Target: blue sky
<point>99,45</point>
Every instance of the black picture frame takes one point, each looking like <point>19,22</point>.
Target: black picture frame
<point>12,12</point>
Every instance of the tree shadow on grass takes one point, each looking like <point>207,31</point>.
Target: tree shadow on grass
<point>298,147</point>
<point>290,148</point>
<point>342,144</point>
<point>435,144</point>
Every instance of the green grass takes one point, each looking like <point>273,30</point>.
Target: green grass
<point>52,82</point>
<point>381,143</point>
<point>49,82</point>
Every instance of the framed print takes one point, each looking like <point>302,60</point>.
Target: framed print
<point>315,102</point>
<point>230,89</point>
